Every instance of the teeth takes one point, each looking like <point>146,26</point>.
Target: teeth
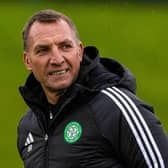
<point>59,72</point>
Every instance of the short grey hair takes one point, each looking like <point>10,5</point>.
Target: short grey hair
<point>46,16</point>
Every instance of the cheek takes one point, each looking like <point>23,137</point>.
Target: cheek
<point>38,69</point>
<point>39,63</point>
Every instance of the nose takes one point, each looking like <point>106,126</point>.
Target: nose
<point>57,57</point>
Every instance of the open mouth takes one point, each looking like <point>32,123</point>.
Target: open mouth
<point>58,72</point>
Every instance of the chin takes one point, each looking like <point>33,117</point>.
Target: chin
<point>61,86</point>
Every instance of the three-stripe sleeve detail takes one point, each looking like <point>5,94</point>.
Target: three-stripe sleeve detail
<point>29,139</point>
<point>138,127</point>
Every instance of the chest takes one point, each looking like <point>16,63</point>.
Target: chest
<point>73,140</point>
<point>76,139</point>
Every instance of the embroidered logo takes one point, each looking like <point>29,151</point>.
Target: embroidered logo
<point>29,141</point>
<point>72,132</point>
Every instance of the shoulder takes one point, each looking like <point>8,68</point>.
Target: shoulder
<point>22,129</point>
<point>114,102</point>
<point>28,123</point>
<point>118,110</point>
<point>27,118</point>
<point>105,108</point>
<point>28,126</point>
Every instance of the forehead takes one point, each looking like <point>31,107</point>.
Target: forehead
<point>54,30</point>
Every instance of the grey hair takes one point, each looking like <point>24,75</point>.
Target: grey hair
<point>46,16</point>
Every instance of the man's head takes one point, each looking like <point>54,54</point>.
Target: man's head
<point>52,50</point>
<point>46,16</point>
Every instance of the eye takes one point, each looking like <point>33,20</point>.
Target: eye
<point>66,46</point>
<point>41,50</point>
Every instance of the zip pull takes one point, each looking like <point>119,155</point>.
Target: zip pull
<point>51,115</point>
<point>46,137</point>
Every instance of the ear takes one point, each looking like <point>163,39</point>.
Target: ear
<point>81,50</point>
<point>27,61</point>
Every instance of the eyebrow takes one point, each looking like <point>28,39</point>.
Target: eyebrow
<point>41,46</point>
<point>65,41</point>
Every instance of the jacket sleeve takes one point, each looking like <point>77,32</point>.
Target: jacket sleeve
<point>133,130</point>
<point>21,137</point>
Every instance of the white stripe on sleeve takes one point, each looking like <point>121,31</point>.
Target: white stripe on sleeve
<point>138,126</point>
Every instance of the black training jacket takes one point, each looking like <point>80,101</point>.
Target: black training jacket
<point>98,122</point>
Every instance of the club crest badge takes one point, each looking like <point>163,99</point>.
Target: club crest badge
<point>72,132</point>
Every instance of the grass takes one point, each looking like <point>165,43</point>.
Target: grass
<point>136,35</point>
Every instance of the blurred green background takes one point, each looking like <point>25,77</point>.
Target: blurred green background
<point>136,34</point>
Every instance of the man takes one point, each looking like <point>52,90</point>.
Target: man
<point>83,109</point>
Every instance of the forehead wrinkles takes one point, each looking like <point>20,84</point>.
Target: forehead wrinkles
<point>47,30</point>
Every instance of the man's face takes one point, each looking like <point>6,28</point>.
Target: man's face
<point>53,55</point>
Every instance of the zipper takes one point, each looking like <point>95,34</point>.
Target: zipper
<point>46,139</point>
<point>53,117</point>
<point>50,115</point>
<point>46,151</point>
<point>49,130</point>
